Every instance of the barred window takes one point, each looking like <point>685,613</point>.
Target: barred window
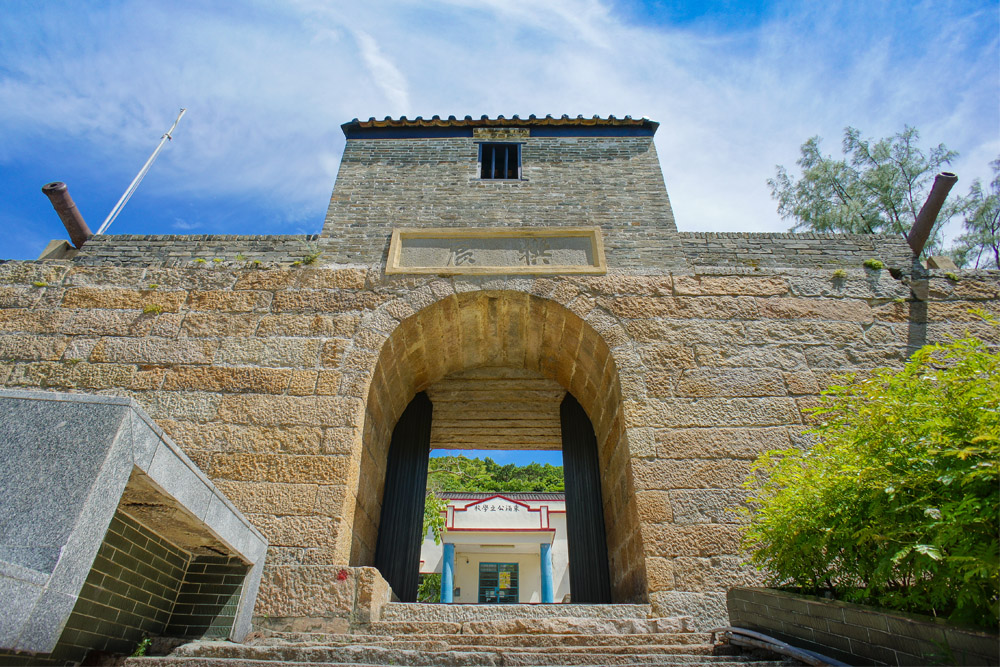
<point>500,161</point>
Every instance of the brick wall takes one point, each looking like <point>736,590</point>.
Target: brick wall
<point>207,598</point>
<point>613,182</point>
<point>195,249</point>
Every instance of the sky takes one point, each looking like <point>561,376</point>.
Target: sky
<point>88,88</point>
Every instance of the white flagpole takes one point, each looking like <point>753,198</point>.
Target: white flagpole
<point>135,182</point>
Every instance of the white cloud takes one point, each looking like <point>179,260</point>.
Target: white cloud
<point>268,88</point>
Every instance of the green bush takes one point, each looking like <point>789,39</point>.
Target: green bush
<point>897,503</point>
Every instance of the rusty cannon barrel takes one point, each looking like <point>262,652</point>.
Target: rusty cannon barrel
<point>921,229</point>
<point>70,215</point>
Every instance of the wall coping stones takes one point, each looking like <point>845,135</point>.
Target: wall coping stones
<point>859,634</point>
<point>66,463</point>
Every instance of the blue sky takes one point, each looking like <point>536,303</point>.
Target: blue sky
<point>87,88</point>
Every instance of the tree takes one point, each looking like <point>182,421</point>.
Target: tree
<point>898,503</point>
<point>878,187</point>
<point>459,473</point>
<point>980,245</point>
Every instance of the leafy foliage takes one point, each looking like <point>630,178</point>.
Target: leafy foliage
<point>434,520</point>
<point>878,187</point>
<point>980,244</point>
<point>429,588</point>
<point>898,502</point>
<point>459,473</point>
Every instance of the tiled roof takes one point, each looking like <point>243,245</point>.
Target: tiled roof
<point>500,121</point>
<point>505,494</point>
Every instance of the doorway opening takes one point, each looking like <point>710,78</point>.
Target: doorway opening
<point>490,342</point>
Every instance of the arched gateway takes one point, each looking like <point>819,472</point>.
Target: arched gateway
<point>500,329</point>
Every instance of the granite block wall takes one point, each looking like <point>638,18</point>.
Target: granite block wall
<point>282,383</point>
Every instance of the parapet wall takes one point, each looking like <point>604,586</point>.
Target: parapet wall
<point>677,251</point>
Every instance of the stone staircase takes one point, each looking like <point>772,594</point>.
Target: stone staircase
<point>425,635</point>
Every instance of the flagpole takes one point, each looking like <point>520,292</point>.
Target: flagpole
<point>135,182</point>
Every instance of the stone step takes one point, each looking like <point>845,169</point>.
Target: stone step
<point>460,613</point>
<point>551,626</point>
<point>499,641</point>
<point>169,661</point>
<point>226,653</point>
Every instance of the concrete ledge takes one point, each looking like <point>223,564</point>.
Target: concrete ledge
<point>859,634</point>
<point>68,462</point>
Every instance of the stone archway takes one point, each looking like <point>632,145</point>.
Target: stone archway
<point>515,330</point>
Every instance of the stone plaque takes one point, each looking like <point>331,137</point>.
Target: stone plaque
<point>520,250</point>
<point>501,133</point>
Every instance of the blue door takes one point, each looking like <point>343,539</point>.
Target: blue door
<point>498,583</point>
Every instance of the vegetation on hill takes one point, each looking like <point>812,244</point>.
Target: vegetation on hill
<point>459,473</point>
<point>898,502</point>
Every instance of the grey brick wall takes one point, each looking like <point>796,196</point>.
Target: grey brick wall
<point>613,182</point>
<point>207,600</point>
<point>180,250</point>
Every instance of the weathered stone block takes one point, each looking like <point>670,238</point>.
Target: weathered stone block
<point>683,412</point>
<point>692,506</point>
<point>708,308</point>
<point>25,347</point>
<point>324,301</point>
<point>290,410</point>
<point>688,474</point>
<point>154,351</point>
<point>340,325</point>
<point>729,286</point>
<point>720,443</point>
<point>709,382</point>
<point>218,325</point>
<point>221,437</point>
<point>273,352</point>
<point>850,310</point>
<point>91,297</point>
<point>229,301</point>
<point>285,468</point>
<point>230,380</point>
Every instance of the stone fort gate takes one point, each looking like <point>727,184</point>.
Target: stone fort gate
<point>480,260</point>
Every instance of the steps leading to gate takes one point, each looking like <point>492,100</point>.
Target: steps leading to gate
<point>460,613</point>
<point>478,636</point>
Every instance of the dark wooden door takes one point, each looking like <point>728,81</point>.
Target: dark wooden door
<point>400,530</point>
<point>589,578</point>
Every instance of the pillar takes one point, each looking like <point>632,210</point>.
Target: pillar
<point>546,559</point>
<point>448,573</point>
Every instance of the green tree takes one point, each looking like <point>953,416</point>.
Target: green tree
<point>898,502</point>
<point>434,520</point>
<point>877,187</point>
<point>979,246</point>
<point>459,473</point>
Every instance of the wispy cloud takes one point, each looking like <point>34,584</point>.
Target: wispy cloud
<point>268,87</point>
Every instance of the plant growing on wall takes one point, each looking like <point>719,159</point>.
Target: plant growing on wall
<point>898,503</point>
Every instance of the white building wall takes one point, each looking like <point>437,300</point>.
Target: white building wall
<point>518,524</point>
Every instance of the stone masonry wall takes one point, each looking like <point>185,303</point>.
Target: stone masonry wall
<point>613,182</point>
<point>264,378</point>
<point>680,252</point>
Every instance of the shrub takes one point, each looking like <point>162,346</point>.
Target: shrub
<point>840,274</point>
<point>898,502</point>
<point>874,264</point>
